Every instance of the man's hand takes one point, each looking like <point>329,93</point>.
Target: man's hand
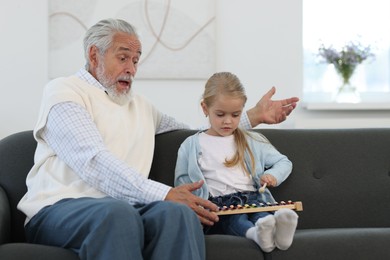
<point>203,208</point>
<point>271,111</point>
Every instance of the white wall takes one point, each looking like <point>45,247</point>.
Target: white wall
<point>23,62</point>
<point>259,40</point>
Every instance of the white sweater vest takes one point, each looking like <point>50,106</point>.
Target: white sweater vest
<point>128,132</point>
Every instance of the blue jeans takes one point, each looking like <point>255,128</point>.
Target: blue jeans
<point>107,228</point>
<point>236,224</point>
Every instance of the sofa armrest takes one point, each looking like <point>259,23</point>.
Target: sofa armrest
<point>5,217</point>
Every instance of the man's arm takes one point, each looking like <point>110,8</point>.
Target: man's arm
<point>72,135</point>
<point>271,111</point>
<point>266,111</point>
<point>169,123</point>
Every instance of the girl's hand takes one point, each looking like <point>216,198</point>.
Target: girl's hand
<point>269,179</point>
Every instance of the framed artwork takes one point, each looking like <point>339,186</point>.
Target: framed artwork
<point>177,36</point>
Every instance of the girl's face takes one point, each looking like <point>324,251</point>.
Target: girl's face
<point>224,115</point>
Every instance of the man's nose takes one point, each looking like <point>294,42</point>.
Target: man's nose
<point>131,69</point>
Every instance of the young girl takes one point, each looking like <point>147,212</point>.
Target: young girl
<point>234,164</point>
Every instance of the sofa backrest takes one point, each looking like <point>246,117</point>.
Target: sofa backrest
<point>16,159</point>
<point>342,176</point>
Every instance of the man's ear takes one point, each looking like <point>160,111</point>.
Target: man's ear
<point>93,56</point>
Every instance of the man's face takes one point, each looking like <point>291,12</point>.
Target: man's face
<point>116,68</point>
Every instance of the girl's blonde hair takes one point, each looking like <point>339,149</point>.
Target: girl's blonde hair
<point>228,84</point>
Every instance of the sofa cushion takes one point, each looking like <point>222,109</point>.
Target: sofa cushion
<point>222,247</point>
<point>20,251</point>
<point>338,244</point>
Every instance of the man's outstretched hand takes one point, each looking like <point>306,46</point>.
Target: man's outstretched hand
<point>203,208</point>
<point>270,111</point>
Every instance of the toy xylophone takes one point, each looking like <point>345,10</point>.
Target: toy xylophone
<point>261,207</point>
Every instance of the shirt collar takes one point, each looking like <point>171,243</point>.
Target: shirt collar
<point>83,74</point>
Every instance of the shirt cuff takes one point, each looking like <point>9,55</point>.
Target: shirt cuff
<point>244,122</point>
<point>158,191</point>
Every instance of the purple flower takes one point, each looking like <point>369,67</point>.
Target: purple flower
<point>346,60</point>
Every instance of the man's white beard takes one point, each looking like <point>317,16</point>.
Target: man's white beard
<point>119,98</point>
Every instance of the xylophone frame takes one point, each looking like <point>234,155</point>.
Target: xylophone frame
<point>297,206</point>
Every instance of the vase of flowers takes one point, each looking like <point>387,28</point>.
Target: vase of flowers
<point>345,62</point>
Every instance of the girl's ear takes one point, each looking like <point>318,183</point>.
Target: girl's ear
<point>204,108</point>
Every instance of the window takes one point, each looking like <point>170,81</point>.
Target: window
<point>336,23</point>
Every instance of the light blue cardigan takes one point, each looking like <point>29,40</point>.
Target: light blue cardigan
<point>267,160</point>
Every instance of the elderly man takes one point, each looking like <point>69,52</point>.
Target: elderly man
<point>89,189</point>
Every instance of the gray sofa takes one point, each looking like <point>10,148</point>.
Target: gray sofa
<point>342,176</point>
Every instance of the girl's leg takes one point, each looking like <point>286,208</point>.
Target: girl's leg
<point>262,232</point>
<point>286,223</point>
<point>265,229</point>
<point>96,229</point>
<point>236,225</point>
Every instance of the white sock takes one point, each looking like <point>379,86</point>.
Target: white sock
<point>286,223</point>
<point>265,228</point>
<point>251,233</point>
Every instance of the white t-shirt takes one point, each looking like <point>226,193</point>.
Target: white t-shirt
<point>222,180</point>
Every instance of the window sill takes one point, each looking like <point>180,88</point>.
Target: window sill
<point>368,101</point>
<point>345,106</point>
